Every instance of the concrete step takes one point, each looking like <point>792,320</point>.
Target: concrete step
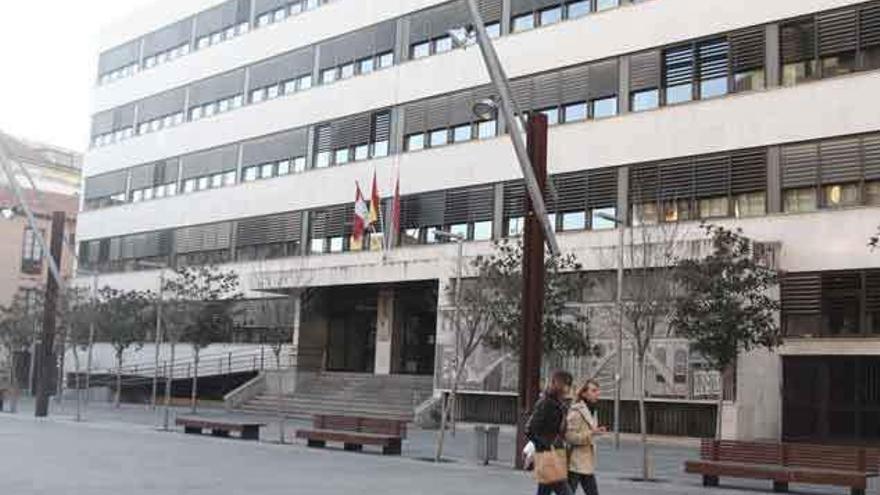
<point>298,412</point>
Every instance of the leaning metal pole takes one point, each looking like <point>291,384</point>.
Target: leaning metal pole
<point>510,113</point>
<point>618,371</point>
<point>46,365</point>
<point>158,339</point>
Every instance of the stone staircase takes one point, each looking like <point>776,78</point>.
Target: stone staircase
<point>384,396</point>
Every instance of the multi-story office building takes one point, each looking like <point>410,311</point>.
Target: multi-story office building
<point>235,132</point>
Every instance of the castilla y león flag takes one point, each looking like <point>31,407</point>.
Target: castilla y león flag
<point>361,212</point>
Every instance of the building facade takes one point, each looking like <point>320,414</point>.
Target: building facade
<point>234,133</point>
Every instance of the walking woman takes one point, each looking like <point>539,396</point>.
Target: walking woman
<point>583,426</point>
<point>546,430</point>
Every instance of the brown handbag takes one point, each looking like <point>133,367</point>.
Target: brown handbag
<point>551,466</point>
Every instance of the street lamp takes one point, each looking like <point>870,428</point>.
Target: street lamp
<point>459,239</point>
<point>158,340</point>
<point>618,373</point>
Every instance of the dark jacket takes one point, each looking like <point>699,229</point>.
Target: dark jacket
<point>546,426</point>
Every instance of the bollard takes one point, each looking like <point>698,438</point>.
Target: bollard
<point>486,443</point>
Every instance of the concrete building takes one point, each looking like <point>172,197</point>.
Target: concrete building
<point>235,132</point>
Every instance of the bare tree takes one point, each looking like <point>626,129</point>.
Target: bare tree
<point>17,323</point>
<point>649,296</point>
<point>123,319</point>
<point>77,309</point>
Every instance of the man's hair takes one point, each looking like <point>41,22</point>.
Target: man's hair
<point>561,377</point>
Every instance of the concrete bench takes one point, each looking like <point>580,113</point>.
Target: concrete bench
<point>247,430</point>
<point>355,432</point>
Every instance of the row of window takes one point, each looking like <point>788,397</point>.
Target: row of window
<point>357,68</point>
<point>215,107</point>
<point>283,88</point>
<point>166,56</point>
<point>274,169</point>
<point>552,15</point>
<point>679,210</point>
<point>120,73</point>
<point>345,155</point>
<point>113,137</point>
<point>441,137</point>
<point>291,9</point>
<point>205,182</point>
<point>806,199</point>
<point>32,252</point>
<point>155,192</point>
<point>160,123</point>
<point>443,44</point>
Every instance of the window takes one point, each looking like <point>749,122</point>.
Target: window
<point>337,244</point>
<point>577,9</point>
<point>366,66</point>
<point>605,107</point>
<point>346,71</point>
<point>550,16</point>
<point>189,185</point>
<point>603,218</point>
<point>229,178</point>
<point>304,82</point>
<point>317,246</point>
<point>328,76</point>
<point>523,23</point>
<point>322,159</point>
<point>267,170</point>
<point>461,133</point>
<point>443,44</point>
<point>515,226</point>
<point>380,149</point>
<point>421,50</point>
<point>677,210</point>
<point>800,200</point>
<point>299,164</point>
<point>487,129</point>
<point>137,196</point>
<point>415,142</point>
<point>439,137</point>
<point>645,214</point>
<point>385,60</point>
<point>576,220</point>
<point>840,195</point>
<point>362,152</point>
<point>203,183</point>
<point>714,207</point>
<point>752,80</point>
<point>493,29</point>
<point>459,229</point>
<point>483,230</point>
<point>872,193</point>
<point>750,205</point>
<point>606,4</point>
<point>552,115</point>
<point>216,181</point>
<point>679,94</point>
<point>250,174</point>
<point>575,112</point>
<point>798,72</point>
<point>290,87</point>
<point>341,156</point>
<point>645,100</point>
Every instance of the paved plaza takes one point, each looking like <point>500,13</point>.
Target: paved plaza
<point>120,452</point>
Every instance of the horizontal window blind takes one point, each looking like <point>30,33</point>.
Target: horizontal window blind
<point>713,58</point>
<point>602,188</point>
<point>514,203</point>
<point>285,227</point>
<point>567,192</point>
<point>522,6</point>
<point>119,57</point>
<point>169,37</point>
<point>286,145</point>
<point>198,238</point>
<point>104,185</point>
<point>216,88</point>
<point>282,68</point>
<point>472,204</point>
<point>840,160</point>
<point>800,165</point>
<point>423,210</point>
<point>444,111</point>
<point>436,22</point>
<point>871,155</point>
<point>747,48</point>
<point>146,245</point>
<point>798,41</point>
<point>223,16</point>
<point>381,126</point>
<point>263,6</point>
<point>332,221</point>
<point>801,293</point>
<point>113,120</point>
<point>359,44</point>
<point>869,25</point>
<point>678,65</point>
<point>167,103</point>
<point>748,170</point>
<point>210,162</point>
<point>603,79</point>
<point>837,31</point>
<point>155,174</point>
<point>644,70</point>
<point>350,131</point>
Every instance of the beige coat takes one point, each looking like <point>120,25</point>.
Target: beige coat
<point>579,436</point>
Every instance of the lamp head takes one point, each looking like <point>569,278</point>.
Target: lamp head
<point>486,108</point>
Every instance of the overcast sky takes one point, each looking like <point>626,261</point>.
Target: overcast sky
<point>49,53</point>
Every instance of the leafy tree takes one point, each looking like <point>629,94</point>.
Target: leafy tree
<point>500,274</point>
<point>726,306</point>
<point>202,298</point>
<point>123,317</point>
<point>18,323</point>
<point>76,319</point>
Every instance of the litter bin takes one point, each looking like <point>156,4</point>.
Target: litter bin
<point>486,442</point>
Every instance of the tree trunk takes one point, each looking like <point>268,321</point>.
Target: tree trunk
<point>720,416</point>
<point>281,418</point>
<point>643,421</point>
<point>446,408</point>
<point>195,383</point>
<point>76,383</point>
<point>13,377</point>
<point>116,400</point>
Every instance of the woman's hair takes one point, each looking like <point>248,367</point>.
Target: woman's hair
<point>581,391</point>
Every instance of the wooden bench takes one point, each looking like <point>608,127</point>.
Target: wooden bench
<point>785,463</point>
<point>355,432</point>
<point>219,427</point>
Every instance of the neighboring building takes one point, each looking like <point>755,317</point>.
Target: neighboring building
<point>235,132</point>
<point>56,174</point>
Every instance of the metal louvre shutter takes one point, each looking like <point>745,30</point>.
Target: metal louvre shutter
<point>678,65</point>
<point>323,138</point>
<point>570,192</point>
<point>210,162</point>
<point>115,249</point>
<point>801,293</point>
<point>713,58</point>
<point>747,48</point>
<point>871,156</point>
<point>263,6</point>
<point>381,126</point>
<point>286,145</point>
<point>839,288</point>
<point>840,161</point>
<point>604,79</point>
<point>146,245</point>
<point>473,204</point>
<point>101,186</point>
<point>359,44</point>
<point>333,221</point>
<point>350,131</point>
<point>169,37</point>
<point>676,179</point>
<point>514,199</point>
<point>546,91</point>
<point>415,117</point>
<point>121,56</point>
<point>521,90</point>
<point>282,68</point>
<point>285,227</point>
<point>800,165</point>
<point>102,123</point>
<point>435,22</point>
<point>522,6</point>
<point>167,103</point>
<point>575,84</point>
<point>490,10</point>
<point>644,182</point>
<point>644,70</point>
<point>154,174</point>
<point>459,110</point>
<point>798,41</point>
<point>872,290</point>
<point>869,25</point>
<point>748,171</point>
<point>712,175</point>
<point>422,210</point>
<point>123,117</point>
<point>210,237</point>
<point>228,14</point>
<point>837,31</point>
<point>216,88</point>
<point>602,188</point>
